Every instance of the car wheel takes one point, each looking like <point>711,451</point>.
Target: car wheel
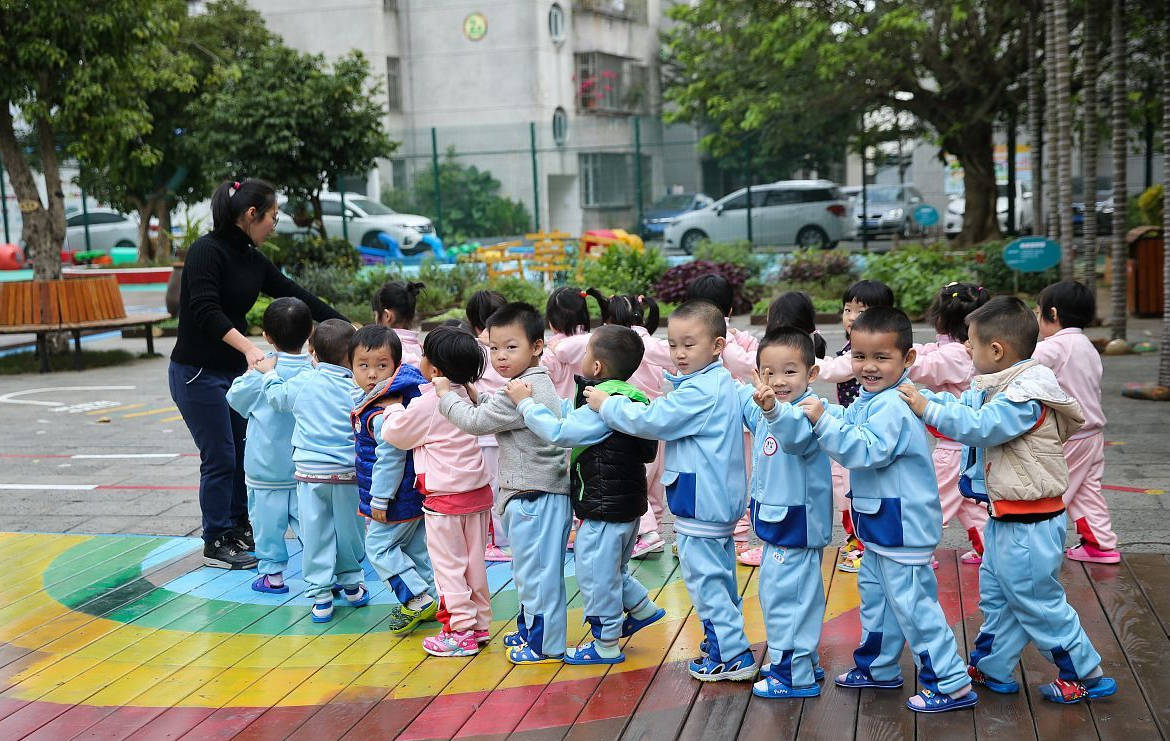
<point>370,239</point>
<point>812,238</point>
<point>691,240</point>
<point>125,243</point>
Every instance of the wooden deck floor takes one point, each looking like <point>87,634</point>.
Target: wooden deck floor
<point>110,637</point>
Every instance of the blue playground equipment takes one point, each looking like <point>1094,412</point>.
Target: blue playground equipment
<point>391,251</point>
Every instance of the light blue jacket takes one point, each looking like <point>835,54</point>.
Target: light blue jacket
<point>268,460</point>
<point>320,400</point>
<point>894,494</point>
<point>792,486</point>
<point>702,424</point>
<point>578,427</point>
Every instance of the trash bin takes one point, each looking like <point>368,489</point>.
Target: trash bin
<point>124,255</point>
<point>1146,248</point>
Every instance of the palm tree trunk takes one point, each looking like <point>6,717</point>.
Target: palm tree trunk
<point>1052,142</point>
<point>1089,141</point>
<point>1068,249</point>
<point>1036,127</point>
<point>1119,250</point>
<point>1164,354</point>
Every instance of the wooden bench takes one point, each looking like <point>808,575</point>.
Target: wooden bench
<point>71,305</point>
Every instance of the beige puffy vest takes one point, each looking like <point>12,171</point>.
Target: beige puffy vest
<point>1031,468</point>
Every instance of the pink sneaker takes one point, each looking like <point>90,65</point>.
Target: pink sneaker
<point>750,556</point>
<point>451,644</point>
<point>496,554</point>
<point>482,636</point>
<point>971,558</point>
<point>1089,554</point>
<point>648,543</point>
<point>934,563</point>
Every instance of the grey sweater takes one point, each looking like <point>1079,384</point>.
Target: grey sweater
<point>527,463</point>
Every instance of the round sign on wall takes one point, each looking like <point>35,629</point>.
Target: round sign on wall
<point>1032,254</point>
<point>475,26</point>
<point>926,215</point>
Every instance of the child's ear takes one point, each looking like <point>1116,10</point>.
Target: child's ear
<point>911,356</point>
<point>597,369</point>
<point>997,350</point>
<point>267,338</point>
<point>538,348</point>
<point>813,372</point>
<point>720,343</point>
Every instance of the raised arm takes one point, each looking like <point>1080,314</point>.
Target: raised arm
<point>580,426</point>
<point>245,391</point>
<point>282,394</point>
<point>493,415</point>
<point>836,369</point>
<point>679,414</point>
<point>406,428</point>
<point>994,423</point>
<point>791,428</point>
<point>874,443</point>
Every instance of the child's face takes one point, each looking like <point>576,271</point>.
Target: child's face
<point>426,369</point>
<point>590,366</point>
<point>989,357</point>
<point>510,350</point>
<point>849,312</point>
<point>1049,324</point>
<point>691,345</point>
<point>878,364</point>
<point>784,370</point>
<point>371,366</point>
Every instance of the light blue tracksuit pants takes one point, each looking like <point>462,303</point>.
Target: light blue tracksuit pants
<point>708,569</point>
<point>398,552</point>
<point>331,535</point>
<point>1022,600</point>
<point>899,604</point>
<point>271,512</point>
<point>602,555</point>
<point>539,532</point>
<point>792,596</point>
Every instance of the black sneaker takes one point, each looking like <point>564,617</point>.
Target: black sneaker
<point>242,534</point>
<point>225,553</point>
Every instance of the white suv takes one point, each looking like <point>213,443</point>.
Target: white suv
<point>365,219</point>
<point>804,213</point>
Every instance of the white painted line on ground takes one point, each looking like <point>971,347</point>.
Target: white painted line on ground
<point>10,398</point>
<point>125,455</point>
<point>48,487</point>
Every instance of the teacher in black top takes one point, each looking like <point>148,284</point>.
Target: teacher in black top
<point>222,276</point>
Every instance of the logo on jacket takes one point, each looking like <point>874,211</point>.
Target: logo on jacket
<point>770,445</point>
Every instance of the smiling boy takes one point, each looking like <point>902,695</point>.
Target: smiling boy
<point>896,513</point>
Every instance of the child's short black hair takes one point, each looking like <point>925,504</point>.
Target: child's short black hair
<point>788,336</point>
<point>704,311</point>
<point>1074,304</point>
<point>520,313</point>
<point>871,293</point>
<point>374,336</point>
<point>566,311</point>
<point>399,297</point>
<point>951,305</point>
<point>1007,320</point>
<point>883,319</point>
<point>627,310</point>
<point>619,349</point>
<point>715,288</point>
<point>480,306</point>
<point>288,322</point>
<point>454,353</point>
<point>795,309</point>
<point>330,341</point>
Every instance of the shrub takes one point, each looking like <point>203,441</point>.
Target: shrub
<point>255,315</point>
<point>515,288</point>
<point>331,284</point>
<point>991,272</point>
<point>737,253</point>
<point>1150,205</point>
<point>673,284</point>
<point>916,272</point>
<point>817,265</point>
<point>295,252</point>
<point>624,270</point>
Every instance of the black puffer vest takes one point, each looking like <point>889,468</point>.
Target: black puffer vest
<point>608,480</point>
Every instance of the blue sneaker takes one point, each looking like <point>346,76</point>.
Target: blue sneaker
<point>708,669</point>
<point>632,625</point>
<point>818,671</point>
<point>1069,693</point>
<point>1009,687</point>
<point>771,687</point>
<point>357,596</point>
<point>322,612</point>
<point>934,702</point>
<point>858,678</point>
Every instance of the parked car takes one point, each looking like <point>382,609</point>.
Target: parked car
<point>1104,199</point>
<point>953,223</point>
<point>889,210</point>
<point>852,194</point>
<point>804,213</point>
<point>107,229</point>
<point>366,218</point>
<point>655,219</point>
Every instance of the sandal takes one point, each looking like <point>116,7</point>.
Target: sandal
<point>859,678</point>
<point>527,655</point>
<point>586,654</point>
<point>935,702</point>
<point>632,625</point>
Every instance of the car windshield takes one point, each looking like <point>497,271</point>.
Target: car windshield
<point>1104,185</point>
<point>882,193</point>
<point>674,203</point>
<point>373,208</point>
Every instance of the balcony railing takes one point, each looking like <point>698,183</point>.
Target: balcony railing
<point>630,10</point>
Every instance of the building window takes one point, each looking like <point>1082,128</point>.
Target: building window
<point>560,126</point>
<point>608,180</point>
<point>398,173</point>
<point>610,84</point>
<point>630,10</point>
<point>389,6</point>
<point>393,84</point>
<point>556,23</point>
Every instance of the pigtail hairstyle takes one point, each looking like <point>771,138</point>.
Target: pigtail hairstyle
<point>480,306</point>
<point>566,311</point>
<point>795,309</point>
<point>951,305</point>
<point>233,198</point>
<point>400,298</point>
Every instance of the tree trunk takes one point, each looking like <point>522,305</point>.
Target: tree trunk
<point>162,248</point>
<point>1164,350</point>
<point>1119,251</point>
<point>972,145</point>
<point>1036,128</point>
<point>1089,141</point>
<point>1052,145</point>
<point>318,219</point>
<point>37,228</point>
<point>1068,250</point>
<point>144,247</point>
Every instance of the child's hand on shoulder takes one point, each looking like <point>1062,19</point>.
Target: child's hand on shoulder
<point>518,390</point>
<point>764,396</point>
<point>910,394</point>
<point>442,385</point>
<point>266,364</point>
<point>595,398</point>
<point>813,408</point>
<point>379,515</point>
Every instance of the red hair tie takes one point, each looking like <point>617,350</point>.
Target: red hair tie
<point>583,294</point>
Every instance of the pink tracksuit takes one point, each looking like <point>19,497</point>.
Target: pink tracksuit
<point>411,347</point>
<point>739,357</point>
<point>945,365</point>
<point>489,383</point>
<point>839,369</point>
<point>1077,366</point>
<point>449,465</point>
<point>656,361</point>
<point>562,356</point>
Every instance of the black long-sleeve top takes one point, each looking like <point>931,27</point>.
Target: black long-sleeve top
<point>222,276</point>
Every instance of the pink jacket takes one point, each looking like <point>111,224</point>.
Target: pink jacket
<point>836,369</point>
<point>1077,366</point>
<point>489,383</point>
<point>739,356</point>
<point>655,362</point>
<point>943,365</point>
<point>449,457</point>
<point>562,357</point>
<point>411,347</point>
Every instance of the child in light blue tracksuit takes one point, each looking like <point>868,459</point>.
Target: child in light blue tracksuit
<point>896,513</point>
<point>396,541</point>
<point>701,421</point>
<point>1013,422</point>
<point>321,400</point>
<point>268,464</point>
<point>791,509</point>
